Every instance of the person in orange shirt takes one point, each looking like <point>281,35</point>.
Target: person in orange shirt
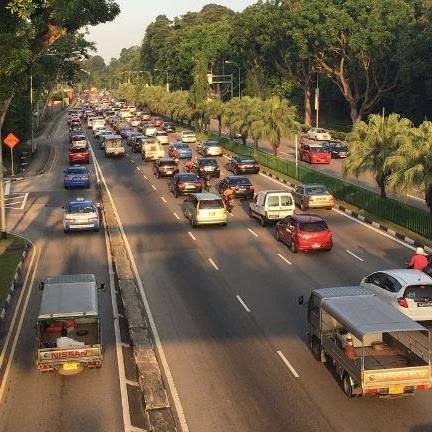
<point>419,260</point>
<point>349,349</point>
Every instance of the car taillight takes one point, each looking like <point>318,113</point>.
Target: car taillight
<point>93,219</point>
<point>181,185</point>
<point>310,199</point>
<point>201,169</point>
<point>160,169</point>
<point>68,178</point>
<point>402,302</point>
<point>198,184</point>
<point>176,169</point>
<point>85,177</point>
<point>69,220</point>
<point>251,188</point>
<point>331,198</point>
<point>217,168</point>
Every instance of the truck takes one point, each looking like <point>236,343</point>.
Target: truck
<point>373,348</point>
<point>151,149</point>
<point>68,329</point>
<point>114,146</point>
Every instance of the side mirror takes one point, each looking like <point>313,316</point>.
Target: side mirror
<point>98,205</point>
<point>41,286</point>
<point>301,300</point>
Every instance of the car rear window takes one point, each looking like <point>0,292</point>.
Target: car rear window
<point>316,190</point>
<point>182,146</point>
<point>215,144</point>
<point>78,138</point>
<point>167,163</point>
<point>239,181</point>
<point>78,150</point>
<point>419,292</point>
<point>319,150</point>
<point>188,178</point>
<point>81,208</point>
<point>313,226</point>
<point>246,160</point>
<point>211,204</point>
<point>208,162</point>
<point>76,171</point>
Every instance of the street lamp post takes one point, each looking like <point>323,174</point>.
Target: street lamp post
<point>239,78</point>
<point>167,81</point>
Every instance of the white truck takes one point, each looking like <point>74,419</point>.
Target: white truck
<point>271,206</point>
<point>68,330</point>
<point>114,146</point>
<point>373,348</point>
<point>151,149</point>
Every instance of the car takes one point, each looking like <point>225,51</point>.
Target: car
<point>188,136</point>
<point>314,154</point>
<point>78,139</point>
<point>271,206</point>
<point>132,136</point>
<point>158,121</point>
<point>104,134</point>
<point>337,149</point>
<point>125,131</point>
<point>185,184</point>
<point>205,209</point>
<point>81,215</point>
<point>241,186</point>
<point>210,148</point>
<point>318,134</point>
<point>409,291</point>
<point>304,232</point>
<point>180,150</point>
<point>243,165</point>
<point>145,115</point>
<point>149,130</point>
<point>312,195</point>
<point>207,166</point>
<point>136,143</point>
<point>165,167</point>
<point>162,137</point>
<point>79,154</point>
<point>76,176</point>
<point>169,127</point>
<point>98,129</point>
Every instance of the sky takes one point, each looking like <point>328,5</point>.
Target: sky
<point>129,27</point>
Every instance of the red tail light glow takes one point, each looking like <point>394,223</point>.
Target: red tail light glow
<point>402,302</point>
<point>251,188</point>
<point>181,185</point>
<point>198,185</point>
<point>256,165</point>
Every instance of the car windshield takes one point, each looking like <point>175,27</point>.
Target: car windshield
<point>208,162</point>
<point>188,178</point>
<point>81,208</point>
<point>419,292</point>
<point>318,150</point>
<point>313,226</point>
<point>239,181</point>
<point>211,204</point>
<point>316,190</point>
<point>77,170</point>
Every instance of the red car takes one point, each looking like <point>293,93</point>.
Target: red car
<point>302,232</point>
<point>79,155</point>
<point>314,154</point>
<point>158,121</point>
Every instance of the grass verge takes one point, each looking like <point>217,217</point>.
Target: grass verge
<point>10,253</point>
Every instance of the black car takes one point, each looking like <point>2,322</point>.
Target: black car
<point>243,164</point>
<point>241,186</point>
<point>337,149</point>
<point>185,184</point>
<point>169,127</point>
<point>207,165</point>
<point>165,167</point>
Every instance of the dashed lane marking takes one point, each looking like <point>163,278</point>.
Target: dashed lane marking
<point>354,255</point>
<point>242,303</point>
<point>287,364</point>
<point>191,235</point>
<point>253,232</point>
<point>284,259</point>
<point>213,264</point>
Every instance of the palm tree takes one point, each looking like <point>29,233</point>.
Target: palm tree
<point>411,165</point>
<point>244,116</point>
<point>277,119</point>
<point>216,109</point>
<point>372,143</point>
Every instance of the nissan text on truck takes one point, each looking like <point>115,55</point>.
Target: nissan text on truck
<point>389,354</point>
<point>68,331</point>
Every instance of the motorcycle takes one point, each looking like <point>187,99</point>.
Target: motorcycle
<point>206,182</point>
<point>229,203</point>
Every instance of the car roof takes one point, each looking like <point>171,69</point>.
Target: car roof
<point>206,196</point>
<point>408,276</point>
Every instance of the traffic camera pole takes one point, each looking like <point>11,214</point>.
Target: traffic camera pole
<point>2,197</point>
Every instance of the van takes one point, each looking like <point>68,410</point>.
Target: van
<point>205,209</point>
<point>271,206</point>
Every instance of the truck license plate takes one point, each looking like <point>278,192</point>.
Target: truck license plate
<point>396,389</point>
<point>70,366</point>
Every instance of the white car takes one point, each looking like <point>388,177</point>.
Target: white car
<point>409,291</point>
<point>150,131</point>
<point>318,134</point>
<point>97,130</point>
<point>162,137</point>
<point>188,136</point>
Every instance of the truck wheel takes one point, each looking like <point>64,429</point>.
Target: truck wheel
<point>316,349</point>
<point>346,385</point>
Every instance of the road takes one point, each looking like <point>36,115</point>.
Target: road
<point>224,301</point>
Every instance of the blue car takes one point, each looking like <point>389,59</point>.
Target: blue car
<point>81,215</point>
<point>76,176</point>
<point>181,150</point>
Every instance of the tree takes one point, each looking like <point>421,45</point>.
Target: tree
<point>278,119</point>
<point>411,164</point>
<point>246,114</point>
<point>372,143</point>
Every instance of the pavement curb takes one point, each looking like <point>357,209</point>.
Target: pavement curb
<point>14,282</point>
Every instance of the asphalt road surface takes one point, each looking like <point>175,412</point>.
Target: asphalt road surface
<point>224,300</point>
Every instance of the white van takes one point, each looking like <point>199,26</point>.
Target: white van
<point>271,206</point>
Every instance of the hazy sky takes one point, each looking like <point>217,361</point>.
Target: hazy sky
<point>129,27</point>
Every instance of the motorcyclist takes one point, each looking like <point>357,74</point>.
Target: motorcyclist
<point>189,166</point>
<point>206,182</point>
<point>228,197</point>
<point>419,261</point>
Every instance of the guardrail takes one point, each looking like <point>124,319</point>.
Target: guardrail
<point>402,214</point>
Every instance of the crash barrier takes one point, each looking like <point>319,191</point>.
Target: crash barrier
<point>400,213</point>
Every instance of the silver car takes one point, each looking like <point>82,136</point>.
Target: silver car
<point>210,148</point>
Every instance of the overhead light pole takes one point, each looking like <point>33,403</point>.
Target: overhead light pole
<point>239,77</point>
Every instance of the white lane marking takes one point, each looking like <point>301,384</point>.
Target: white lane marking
<point>145,176</point>
<point>354,255</point>
<point>285,153</point>
<point>132,161</point>
<point>213,264</point>
<point>192,236</point>
<point>163,199</point>
<point>170,381</point>
<point>287,364</point>
<point>416,198</point>
<point>283,258</point>
<point>253,232</point>
<point>7,188</point>
<point>24,202</point>
<point>176,215</point>
<point>242,303</point>
<point>154,187</point>
<point>138,168</point>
